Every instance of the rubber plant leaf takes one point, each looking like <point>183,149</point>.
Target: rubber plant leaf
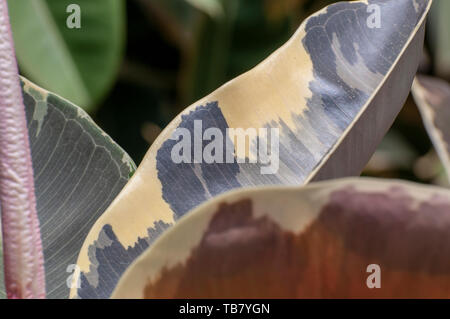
<point>350,238</point>
<point>331,93</point>
<point>432,96</point>
<point>78,172</point>
<point>79,64</point>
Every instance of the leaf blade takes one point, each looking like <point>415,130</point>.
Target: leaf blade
<point>319,112</point>
<point>323,236</point>
<point>78,171</point>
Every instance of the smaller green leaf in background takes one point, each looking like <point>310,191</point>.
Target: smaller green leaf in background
<point>227,46</point>
<point>208,54</point>
<point>432,96</point>
<point>78,64</point>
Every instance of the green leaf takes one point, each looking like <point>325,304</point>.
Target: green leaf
<point>331,92</point>
<point>78,172</point>
<point>315,241</point>
<point>209,52</point>
<point>78,64</point>
<point>248,48</point>
<point>222,48</point>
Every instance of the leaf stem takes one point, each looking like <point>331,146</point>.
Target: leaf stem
<point>22,247</point>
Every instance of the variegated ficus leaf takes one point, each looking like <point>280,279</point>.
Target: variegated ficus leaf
<point>336,239</point>
<point>331,92</point>
<point>78,171</point>
<point>432,97</point>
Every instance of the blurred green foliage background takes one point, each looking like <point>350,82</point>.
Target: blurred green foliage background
<point>135,64</point>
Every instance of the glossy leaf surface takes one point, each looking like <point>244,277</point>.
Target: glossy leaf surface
<point>332,91</point>
<point>333,239</point>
